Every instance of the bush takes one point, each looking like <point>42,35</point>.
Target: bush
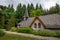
<point>57,34</point>
<point>44,33</point>
<point>2,33</point>
<point>25,30</point>
<point>13,29</point>
<point>8,28</point>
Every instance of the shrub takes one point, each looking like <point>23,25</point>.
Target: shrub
<point>25,30</point>
<point>8,28</point>
<point>2,33</point>
<point>13,29</point>
<point>57,34</point>
<point>44,33</point>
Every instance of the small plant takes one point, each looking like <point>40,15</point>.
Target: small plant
<point>13,29</point>
<point>44,33</point>
<point>2,33</point>
<point>57,34</point>
<point>25,30</point>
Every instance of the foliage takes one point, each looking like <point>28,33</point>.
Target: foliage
<point>47,33</point>
<point>44,33</point>
<point>13,29</point>
<point>40,32</point>
<point>30,7</point>
<point>37,6</point>
<point>54,9</point>
<point>20,12</point>
<point>2,19</point>
<point>10,17</point>
<point>25,30</point>
<point>37,12</point>
<point>57,34</point>
<point>2,33</point>
<point>11,23</point>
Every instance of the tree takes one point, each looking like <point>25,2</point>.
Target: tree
<point>23,9</point>
<point>40,7</point>
<point>54,9</point>
<point>11,22</point>
<point>12,9</point>
<point>1,19</point>
<point>30,8</point>
<point>37,12</point>
<point>37,7</point>
<point>57,8</point>
<point>19,13</point>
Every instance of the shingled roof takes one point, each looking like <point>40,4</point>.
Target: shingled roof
<point>51,21</point>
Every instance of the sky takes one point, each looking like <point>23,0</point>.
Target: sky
<point>46,4</point>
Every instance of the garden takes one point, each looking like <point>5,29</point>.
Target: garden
<point>5,36</point>
<point>39,32</point>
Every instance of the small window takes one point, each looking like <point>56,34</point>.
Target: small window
<point>39,25</point>
<point>35,25</point>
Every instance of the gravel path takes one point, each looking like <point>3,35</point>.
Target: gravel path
<point>33,36</point>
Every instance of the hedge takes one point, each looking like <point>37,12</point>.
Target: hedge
<point>13,29</point>
<point>44,33</point>
<point>25,30</point>
<point>2,33</point>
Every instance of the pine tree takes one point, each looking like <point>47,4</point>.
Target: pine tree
<point>23,9</point>
<point>30,8</point>
<point>19,13</point>
<point>57,7</point>
<point>11,22</point>
<point>1,19</point>
<point>40,7</point>
<point>11,8</point>
<point>37,6</point>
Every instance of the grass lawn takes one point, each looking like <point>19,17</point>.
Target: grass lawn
<point>16,37</point>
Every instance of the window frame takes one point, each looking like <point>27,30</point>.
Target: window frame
<point>35,25</point>
<point>39,25</point>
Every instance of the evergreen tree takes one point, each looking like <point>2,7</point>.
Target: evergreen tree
<point>37,6</point>
<point>11,22</point>
<point>19,13</point>
<point>30,8</point>
<point>1,19</point>
<point>23,9</point>
<point>57,8</point>
<point>54,9</point>
<point>40,7</point>
<point>12,9</point>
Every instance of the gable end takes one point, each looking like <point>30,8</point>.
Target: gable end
<point>37,18</point>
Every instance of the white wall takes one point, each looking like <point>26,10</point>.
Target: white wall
<point>37,21</point>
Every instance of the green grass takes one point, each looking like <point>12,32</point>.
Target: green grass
<point>16,37</point>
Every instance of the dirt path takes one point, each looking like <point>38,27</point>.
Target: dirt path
<point>33,36</point>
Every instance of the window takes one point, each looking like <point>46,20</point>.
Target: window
<point>35,25</point>
<point>39,25</point>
